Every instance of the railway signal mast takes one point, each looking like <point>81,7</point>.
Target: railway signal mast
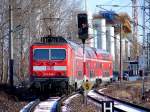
<point>83,34</point>
<point>83,27</point>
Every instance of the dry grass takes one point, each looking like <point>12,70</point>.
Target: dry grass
<point>129,91</point>
<point>77,105</point>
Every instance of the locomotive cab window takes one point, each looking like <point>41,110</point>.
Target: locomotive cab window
<point>58,54</point>
<point>49,54</point>
<point>41,54</point>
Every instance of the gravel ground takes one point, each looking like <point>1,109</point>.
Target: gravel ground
<point>127,91</point>
<point>130,92</point>
<point>9,103</point>
<point>77,105</point>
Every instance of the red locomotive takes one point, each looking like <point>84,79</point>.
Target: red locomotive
<point>58,62</point>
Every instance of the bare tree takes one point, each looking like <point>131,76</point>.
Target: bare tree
<point>31,20</point>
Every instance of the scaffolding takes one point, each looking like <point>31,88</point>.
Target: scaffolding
<point>146,33</point>
<point>134,52</point>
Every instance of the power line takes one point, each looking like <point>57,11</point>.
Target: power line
<point>118,6</point>
<point>123,7</point>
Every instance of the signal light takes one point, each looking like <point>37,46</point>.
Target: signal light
<point>83,26</point>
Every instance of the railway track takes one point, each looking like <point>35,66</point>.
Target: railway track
<point>52,104</point>
<point>30,106</point>
<point>119,105</point>
<point>49,105</point>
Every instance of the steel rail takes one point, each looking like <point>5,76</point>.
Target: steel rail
<point>53,104</point>
<point>120,105</point>
<point>30,107</point>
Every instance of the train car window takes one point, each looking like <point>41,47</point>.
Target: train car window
<point>97,65</point>
<point>41,54</point>
<point>87,65</point>
<point>91,73</point>
<point>100,65</point>
<point>58,54</point>
<point>79,73</point>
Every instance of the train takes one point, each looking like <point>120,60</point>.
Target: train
<point>58,62</point>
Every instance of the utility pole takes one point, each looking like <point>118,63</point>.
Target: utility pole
<point>2,61</point>
<point>146,32</point>
<point>120,67</point>
<point>134,53</point>
<point>11,60</point>
<point>146,38</point>
<point>143,48</point>
<point>21,54</point>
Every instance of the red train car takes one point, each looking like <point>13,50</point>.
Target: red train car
<point>59,62</point>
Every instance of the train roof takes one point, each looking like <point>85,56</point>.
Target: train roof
<point>76,45</point>
<point>91,52</point>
